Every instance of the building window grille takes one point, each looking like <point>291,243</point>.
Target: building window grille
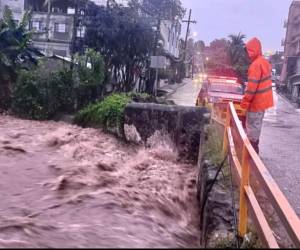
<point>60,27</point>
<point>81,31</point>
<point>36,25</point>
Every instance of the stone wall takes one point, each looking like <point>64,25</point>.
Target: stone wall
<point>185,125</point>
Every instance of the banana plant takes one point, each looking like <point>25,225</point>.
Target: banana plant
<point>15,50</point>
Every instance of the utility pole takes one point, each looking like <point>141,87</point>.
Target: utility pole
<point>193,66</point>
<point>75,24</point>
<point>155,53</point>
<point>48,25</point>
<point>189,21</point>
<point>157,34</point>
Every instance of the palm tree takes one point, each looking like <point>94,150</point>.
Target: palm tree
<point>238,55</point>
<point>15,51</point>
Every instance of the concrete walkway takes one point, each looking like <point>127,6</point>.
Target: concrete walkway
<point>280,145</point>
<point>186,94</point>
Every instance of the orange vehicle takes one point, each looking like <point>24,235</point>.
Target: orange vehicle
<point>217,92</point>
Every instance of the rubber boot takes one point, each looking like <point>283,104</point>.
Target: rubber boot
<point>255,146</point>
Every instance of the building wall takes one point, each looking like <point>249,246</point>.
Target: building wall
<point>104,2</point>
<point>17,7</point>
<point>291,67</point>
<point>292,39</point>
<point>52,41</point>
<point>53,30</point>
<point>170,33</point>
<point>47,39</point>
<point>53,48</point>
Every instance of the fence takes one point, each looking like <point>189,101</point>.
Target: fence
<point>245,162</point>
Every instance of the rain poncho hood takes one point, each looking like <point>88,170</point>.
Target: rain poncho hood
<point>259,92</point>
<point>254,48</point>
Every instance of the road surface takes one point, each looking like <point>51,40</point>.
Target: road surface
<point>280,143</point>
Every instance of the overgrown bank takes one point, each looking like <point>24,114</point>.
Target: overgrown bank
<point>219,198</point>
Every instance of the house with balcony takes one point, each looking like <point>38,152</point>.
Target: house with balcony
<point>290,75</point>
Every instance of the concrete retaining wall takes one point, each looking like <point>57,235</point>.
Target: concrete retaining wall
<point>185,125</point>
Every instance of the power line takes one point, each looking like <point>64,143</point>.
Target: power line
<point>189,21</point>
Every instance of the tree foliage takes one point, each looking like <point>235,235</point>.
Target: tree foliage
<point>41,92</point>
<point>228,57</point>
<point>40,96</point>
<point>123,38</point>
<point>238,56</point>
<point>90,68</point>
<point>218,61</point>
<point>15,51</point>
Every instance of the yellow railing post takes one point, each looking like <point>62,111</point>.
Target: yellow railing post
<point>243,215</point>
<point>227,124</point>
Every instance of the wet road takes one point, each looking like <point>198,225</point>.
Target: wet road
<point>64,186</point>
<point>280,144</point>
<point>280,141</point>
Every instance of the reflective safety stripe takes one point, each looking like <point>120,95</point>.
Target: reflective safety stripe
<point>260,91</point>
<point>261,80</point>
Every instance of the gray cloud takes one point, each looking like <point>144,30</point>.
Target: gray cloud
<point>261,18</point>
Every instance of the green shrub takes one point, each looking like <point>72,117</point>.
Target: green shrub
<point>214,145</point>
<point>40,97</point>
<point>53,87</point>
<point>109,113</point>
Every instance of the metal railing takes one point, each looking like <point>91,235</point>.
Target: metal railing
<point>245,162</point>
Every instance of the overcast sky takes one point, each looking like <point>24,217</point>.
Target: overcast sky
<point>219,18</point>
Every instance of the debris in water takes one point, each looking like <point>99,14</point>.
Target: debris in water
<point>14,148</point>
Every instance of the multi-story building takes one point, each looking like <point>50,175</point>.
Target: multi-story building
<point>170,33</point>
<point>53,23</point>
<point>291,67</point>
<point>56,32</point>
<point>106,2</point>
<point>169,30</point>
<point>17,7</point>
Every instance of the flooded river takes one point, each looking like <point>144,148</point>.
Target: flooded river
<point>65,186</point>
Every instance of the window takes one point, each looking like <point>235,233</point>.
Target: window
<point>36,25</point>
<point>81,31</point>
<point>70,11</point>
<point>56,10</point>
<point>60,27</point>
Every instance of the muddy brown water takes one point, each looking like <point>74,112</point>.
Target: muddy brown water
<point>65,186</point>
